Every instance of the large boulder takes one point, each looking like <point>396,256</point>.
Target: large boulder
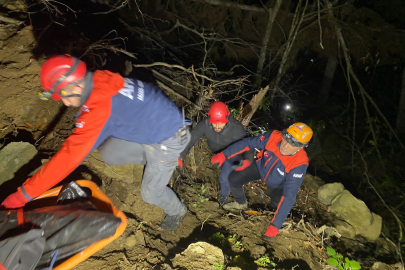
<point>372,232</point>
<point>199,256</point>
<point>257,250</point>
<point>312,182</point>
<point>328,192</point>
<point>381,266</point>
<point>345,229</point>
<point>14,156</point>
<point>352,210</point>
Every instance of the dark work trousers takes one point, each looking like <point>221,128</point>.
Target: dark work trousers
<point>227,168</point>
<point>160,159</point>
<point>238,178</point>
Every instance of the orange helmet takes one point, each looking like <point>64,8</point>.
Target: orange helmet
<point>298,134</point>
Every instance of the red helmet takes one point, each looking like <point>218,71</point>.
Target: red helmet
<point>59,71</point>
<point>218,113</point>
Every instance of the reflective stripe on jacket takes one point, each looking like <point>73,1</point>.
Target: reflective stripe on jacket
<point>276,170</point>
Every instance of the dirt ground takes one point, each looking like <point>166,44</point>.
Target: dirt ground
<point>46,124</point>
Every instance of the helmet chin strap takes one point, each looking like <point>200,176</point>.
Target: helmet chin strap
<point>72,95</point>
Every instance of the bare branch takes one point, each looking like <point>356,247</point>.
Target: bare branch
<point>123,4</point>
<point>320,27</point>
<point>232,5</point>
<point>165,87</point>
<point>174,66</point>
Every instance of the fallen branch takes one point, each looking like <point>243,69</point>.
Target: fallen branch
<point>202,225</point>
<point>169,80</point>
<point>10,20</point>
<point>251,108</point>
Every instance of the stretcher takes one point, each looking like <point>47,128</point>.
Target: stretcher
<point>102,203</point>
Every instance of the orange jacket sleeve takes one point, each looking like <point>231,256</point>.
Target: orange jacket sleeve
<point>77,146</point>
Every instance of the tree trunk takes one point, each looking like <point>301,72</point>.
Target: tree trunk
<point>265,42</point>
<point>401,110</point>
<point>327,79</point>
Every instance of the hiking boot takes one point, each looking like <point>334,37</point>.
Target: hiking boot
<point>235,206</point>
<point>172,223</point>
<point>271,208</point>
<point>222,199</point>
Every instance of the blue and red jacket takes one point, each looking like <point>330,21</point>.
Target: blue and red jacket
<point>126,109</point>
<point>276,170</point>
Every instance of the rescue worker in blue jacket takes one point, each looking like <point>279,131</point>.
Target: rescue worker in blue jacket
<point>134,121</point>
<point>281,164</point>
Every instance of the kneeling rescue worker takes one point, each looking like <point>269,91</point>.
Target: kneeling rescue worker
<point>281,164</point>
<point>134,121</point>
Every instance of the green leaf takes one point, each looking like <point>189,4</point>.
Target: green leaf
<point>331,251</point>
<point>332,261</point>
<point>340,267</point>
<point>355,265</point>
<point>371,142</point>
<point>347,260</point>
<point>347,265</point>
<point>339,256</point>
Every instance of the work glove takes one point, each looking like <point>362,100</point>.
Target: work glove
<point>15,200</point>
<point>243,165</point>
<point>218,158</point>
<point>271,233</point>
<point>180,160</point>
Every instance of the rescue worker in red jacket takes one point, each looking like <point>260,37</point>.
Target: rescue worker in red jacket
<point>281,164</point>
<point>134,121</point>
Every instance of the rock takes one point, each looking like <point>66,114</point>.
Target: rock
<point>14,156</point>
<point>136,239</point>
<point>345,229</point>
<point>352,210</point>
<point>328,192</point>
<point>257,250</point>
<point>140,239</point>
<point>130,241</point>
<point>312,182</point>
<point>198,256</point>
<point>381,266</point>
<point>372,232</point>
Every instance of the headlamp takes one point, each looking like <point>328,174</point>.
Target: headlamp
<point>44,95</point>
<point>291,140</point>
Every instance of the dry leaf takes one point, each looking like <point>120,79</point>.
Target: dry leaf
<point>253,213</point>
